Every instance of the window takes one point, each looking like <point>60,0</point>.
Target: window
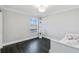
<point>34,23</point>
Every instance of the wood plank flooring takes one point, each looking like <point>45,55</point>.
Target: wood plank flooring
<point>34,45</point>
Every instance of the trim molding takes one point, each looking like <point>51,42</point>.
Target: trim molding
<point>14,10</point>
<point>61,11</point>
<point>1,47</point>
<point>21,12</point>
<point>12,42</point>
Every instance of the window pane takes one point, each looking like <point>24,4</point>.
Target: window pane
<point>34,22</point>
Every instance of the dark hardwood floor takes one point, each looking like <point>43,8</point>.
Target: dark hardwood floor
<point>34,45</point>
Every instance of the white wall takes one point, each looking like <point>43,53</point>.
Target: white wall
<point>56,25</point>
<point>1,32</point>
<point>16,26</point>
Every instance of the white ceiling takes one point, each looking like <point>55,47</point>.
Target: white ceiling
<point>31,10</point>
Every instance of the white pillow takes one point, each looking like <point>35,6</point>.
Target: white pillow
<point>71,38</point>
<point>77,37</point>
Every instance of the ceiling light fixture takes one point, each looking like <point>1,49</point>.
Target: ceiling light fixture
<point>41,8</point>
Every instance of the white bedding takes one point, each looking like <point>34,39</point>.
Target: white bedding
<point>71,38</point>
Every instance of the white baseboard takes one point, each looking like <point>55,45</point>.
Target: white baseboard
<point>9,43</point>
<point>1,47</point>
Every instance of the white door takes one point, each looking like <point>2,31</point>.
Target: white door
<point>0,29</point>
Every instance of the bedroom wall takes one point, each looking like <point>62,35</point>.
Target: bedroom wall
<point>16,26</point>
<point>1,29</point>
<point>56,25</point>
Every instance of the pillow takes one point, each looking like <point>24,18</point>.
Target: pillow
<point>77,37</point>
<point>71,38</point>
